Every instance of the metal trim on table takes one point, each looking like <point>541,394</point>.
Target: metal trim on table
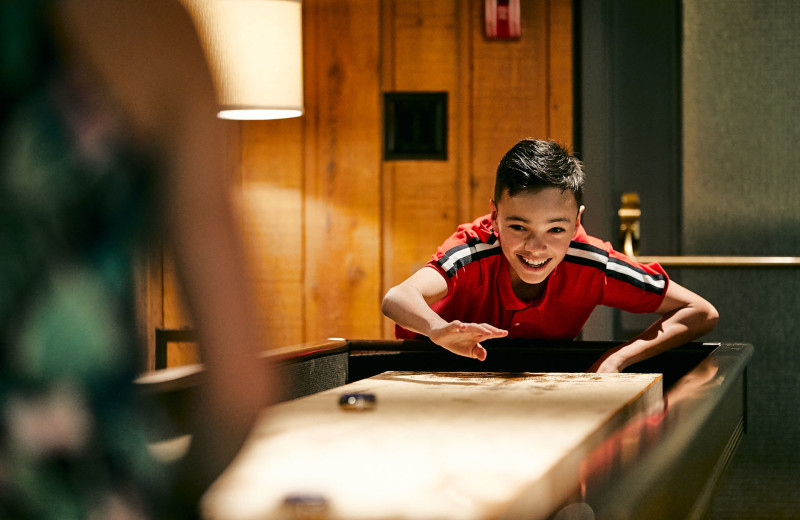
<point>667,451</point>
<point>721,261</point>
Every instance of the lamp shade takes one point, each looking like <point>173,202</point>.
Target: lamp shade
<point>255,52</point>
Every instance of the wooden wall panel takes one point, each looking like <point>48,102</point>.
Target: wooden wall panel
<point>342,189</point>
<point>420,51</point>
<point>559,72</point>
<point>329,225</point>
<point>462,130</point>
<point>176,313</point>
<point>149,288</point>
<point>509,95</point>
<point>272,183</point>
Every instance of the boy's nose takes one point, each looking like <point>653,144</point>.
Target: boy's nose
<point>534,243</point>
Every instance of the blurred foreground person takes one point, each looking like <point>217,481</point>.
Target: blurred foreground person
<point>108,136</point>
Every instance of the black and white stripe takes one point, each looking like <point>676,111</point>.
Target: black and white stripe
<point>459,256</point>
<point>585,254</point>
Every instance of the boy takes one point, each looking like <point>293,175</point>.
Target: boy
<point>528,269</point>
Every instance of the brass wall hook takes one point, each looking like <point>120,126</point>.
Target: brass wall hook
<point>629,214</point>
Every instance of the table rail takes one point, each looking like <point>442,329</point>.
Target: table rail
<point>721,261</point>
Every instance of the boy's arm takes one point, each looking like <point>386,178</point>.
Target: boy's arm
<point>408,305</point>
<point>684,317</point>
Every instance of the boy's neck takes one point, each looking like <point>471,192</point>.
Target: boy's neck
<point>528,292</point>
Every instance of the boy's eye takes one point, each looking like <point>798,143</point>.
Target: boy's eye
<point>517,227</point>
<point>557,230</point>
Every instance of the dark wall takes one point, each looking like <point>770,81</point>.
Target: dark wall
<point>628,128</point>
<point>741,196</point>
<point>698,103</point>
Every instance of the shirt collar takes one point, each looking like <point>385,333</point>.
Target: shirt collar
<point>507,296</point>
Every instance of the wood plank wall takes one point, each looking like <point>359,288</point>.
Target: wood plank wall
<point>330,225</point>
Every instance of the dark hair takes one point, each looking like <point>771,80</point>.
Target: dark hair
<point>532,164</point>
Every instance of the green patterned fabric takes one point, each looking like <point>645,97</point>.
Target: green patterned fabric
<point>73,201</point>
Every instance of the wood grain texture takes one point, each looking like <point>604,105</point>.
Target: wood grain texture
<point>176,314</point>
<point>559,72</point>
<point>272,203</point>
<point>149,288</point>
<point>342,189</point>
<point>509,96</point>
<point>420,43</point>
<point>462,117</point>
<point>435,445</point>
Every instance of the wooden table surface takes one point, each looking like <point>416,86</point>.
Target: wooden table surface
<point>436,445</point>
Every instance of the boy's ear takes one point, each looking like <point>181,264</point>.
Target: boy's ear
<point>494,211</point>
<point>578,220</point>
<point>580,213</point>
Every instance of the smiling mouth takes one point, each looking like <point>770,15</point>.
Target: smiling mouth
<point>533,263</point>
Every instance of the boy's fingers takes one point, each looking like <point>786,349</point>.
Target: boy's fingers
<point>493,332</point>
<point>472,328</point>
<point>482,329</point>
<point>474,350</point>
<point>490,328</point>
<point>468,333</point>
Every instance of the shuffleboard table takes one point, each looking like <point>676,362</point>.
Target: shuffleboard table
<point>404,429</point>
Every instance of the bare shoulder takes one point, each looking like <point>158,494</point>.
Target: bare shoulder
<point>146,51</point>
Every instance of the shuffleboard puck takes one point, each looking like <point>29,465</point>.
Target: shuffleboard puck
<point>306,506</point>
<point>357,402</point>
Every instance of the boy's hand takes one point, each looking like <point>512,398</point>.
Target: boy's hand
<point>607,364</point>
<point>464,338</point>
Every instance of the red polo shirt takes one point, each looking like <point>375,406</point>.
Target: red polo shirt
<point>591,274</point>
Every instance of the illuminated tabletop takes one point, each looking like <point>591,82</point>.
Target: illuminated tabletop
<point>463,445</point>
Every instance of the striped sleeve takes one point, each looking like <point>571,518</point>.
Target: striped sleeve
<point>461,255</point>
<point>618,267</point>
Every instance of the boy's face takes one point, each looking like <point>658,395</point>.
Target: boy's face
<point>535,229</point>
